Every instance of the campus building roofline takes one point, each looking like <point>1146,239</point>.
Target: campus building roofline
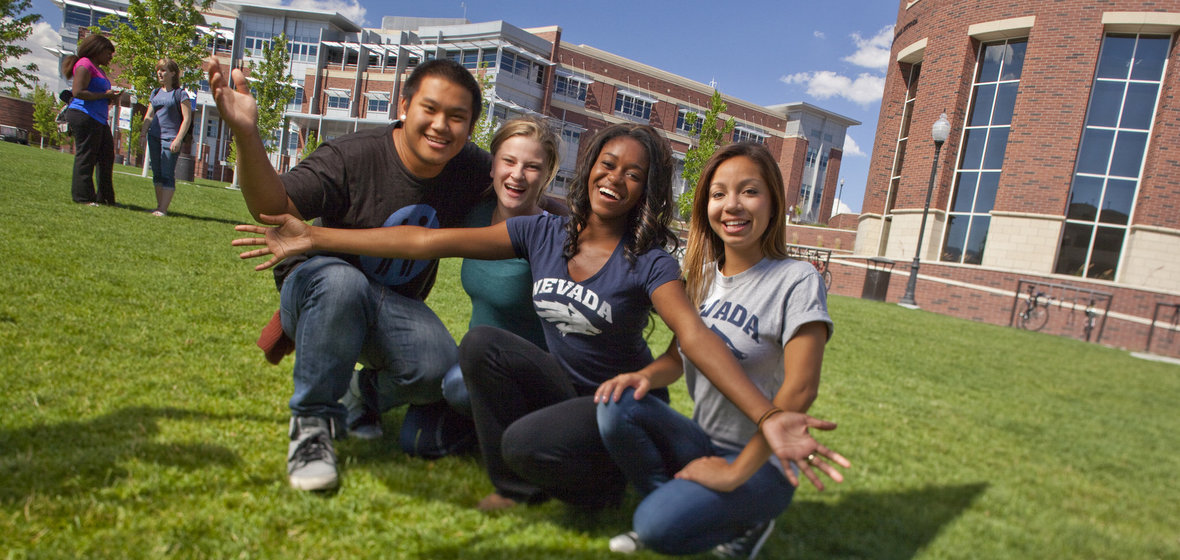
<point>335,18</point>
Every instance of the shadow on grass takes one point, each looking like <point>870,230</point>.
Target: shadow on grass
<point>891,525</point>
<point>79,457</point>
<point>179,215</point>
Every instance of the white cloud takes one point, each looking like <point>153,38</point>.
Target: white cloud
<point>851,148</point>
<point>874,51</point>
<point>838,207</point>
<point>818,34</point>
<point>863,90</point>
<point>42,36</point>
<point>350,9</point>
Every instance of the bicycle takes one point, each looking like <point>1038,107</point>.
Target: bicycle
<point>1035,314</point>
<point>1091,313</point>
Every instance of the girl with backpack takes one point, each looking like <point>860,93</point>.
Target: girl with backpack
<point>169,117</point>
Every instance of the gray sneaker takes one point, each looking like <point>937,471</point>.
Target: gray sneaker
<point>747,545</point>
<point>364,416</point>
<point>311,461</point>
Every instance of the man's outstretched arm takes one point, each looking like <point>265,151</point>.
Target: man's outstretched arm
<point>261,186</point>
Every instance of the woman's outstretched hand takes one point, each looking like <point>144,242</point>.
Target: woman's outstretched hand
<point>787,434</point>
<point>291,237</point>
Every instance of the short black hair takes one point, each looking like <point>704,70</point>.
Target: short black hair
<point>450,71</point>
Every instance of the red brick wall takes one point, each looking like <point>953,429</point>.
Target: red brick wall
<point>1054,90</point>
<point>831,180</point>
<point>18,112</point>
<point>794,153</point>
<point>967,299</point>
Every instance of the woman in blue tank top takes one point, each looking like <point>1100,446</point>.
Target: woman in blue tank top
<point>94,146</point>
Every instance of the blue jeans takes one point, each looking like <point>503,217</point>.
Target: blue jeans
<point>338,317</point>
<point>651,442</point>
<point>163,162</point>
<point>455,391</point>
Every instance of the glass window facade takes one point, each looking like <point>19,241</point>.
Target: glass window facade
<point>747,135</point>
<point>338,101</point>
<point>1110,156</point>
<point>903,135</point>
<point>632,106</point>
<point>569,88</point>
<point>981,155</point>
<point>682,124</point>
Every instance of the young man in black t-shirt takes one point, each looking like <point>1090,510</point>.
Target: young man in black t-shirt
<point>341,310</point>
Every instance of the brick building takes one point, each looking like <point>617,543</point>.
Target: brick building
<point>348,78</point>
<point>1061,171</point>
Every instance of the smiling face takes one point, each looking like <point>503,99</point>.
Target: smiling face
<point>617,179</point>
<point>739,209</point>
<point>518,176</point>
<point>435,126</point>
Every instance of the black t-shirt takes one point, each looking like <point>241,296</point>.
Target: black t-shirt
<point>358,181</point>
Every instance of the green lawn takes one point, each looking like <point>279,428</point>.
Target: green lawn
<point>138,419</point>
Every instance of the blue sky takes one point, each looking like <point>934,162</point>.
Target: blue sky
<point>829,54</point>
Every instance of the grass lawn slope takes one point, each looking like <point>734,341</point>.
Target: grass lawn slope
<point>138,419</point>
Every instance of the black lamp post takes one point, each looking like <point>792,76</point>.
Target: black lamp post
<point>940,131</point>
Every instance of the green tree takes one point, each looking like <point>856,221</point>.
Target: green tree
<point>45,109</point>
<point>711,138</point>
<point>273,87</point>
<point>16,27</point>
<point>313,142</point>
<point>484,128</point>
<point>157,29</point>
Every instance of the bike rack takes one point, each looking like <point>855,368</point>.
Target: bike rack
<point>1155,316</point>
<point>1059,295</point>
<point>818,258</point>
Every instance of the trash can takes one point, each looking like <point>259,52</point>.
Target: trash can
<point>877,277</point>
<point>185,168</point>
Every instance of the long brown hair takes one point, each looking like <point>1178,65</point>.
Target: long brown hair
<point>91,46</point>
<point>705,248</point>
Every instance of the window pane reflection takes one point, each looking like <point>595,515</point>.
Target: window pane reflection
<point>1104,260</point>
<point>965,192</point>
<point>1128,154</point>
<point>973,148</point>
<point>985,197</point>
<point>1116,56</point>
<point>1116,205</point>
<point>1095,151</point>
<point>1005,102</point>
<point>1149,58</point>
<point>1075,241</point>
<point>976,240</point>
<point>1105,101</point>
<point>997,142</point>
<point>1084,196</point>
<point>982,107</point>
<point>956,237</point>
<point>1140,106</point>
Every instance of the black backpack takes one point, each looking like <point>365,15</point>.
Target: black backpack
<point>188,135</point>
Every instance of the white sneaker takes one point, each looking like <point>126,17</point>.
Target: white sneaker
<point>625,543</point>
<point>311,461</point>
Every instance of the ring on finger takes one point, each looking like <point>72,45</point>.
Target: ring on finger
<point>811,458</point>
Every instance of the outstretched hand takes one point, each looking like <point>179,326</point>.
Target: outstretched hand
<point>291,237</point>
<point>787,434</point>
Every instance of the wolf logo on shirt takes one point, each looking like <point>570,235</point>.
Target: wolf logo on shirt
<point>566,318</point>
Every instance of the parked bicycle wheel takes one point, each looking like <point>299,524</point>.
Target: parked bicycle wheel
<point>1034,319</point>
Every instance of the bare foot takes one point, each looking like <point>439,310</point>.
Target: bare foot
<point>494,502</point>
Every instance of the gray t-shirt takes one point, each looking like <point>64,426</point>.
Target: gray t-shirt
<point>755,313</point>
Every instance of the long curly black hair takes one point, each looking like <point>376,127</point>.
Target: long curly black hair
<point>648,224</point>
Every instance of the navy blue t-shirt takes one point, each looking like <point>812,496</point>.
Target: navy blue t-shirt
<point>594,328</point>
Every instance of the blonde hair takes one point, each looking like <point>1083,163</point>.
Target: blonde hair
<point>704,245</point>
<point>535,129</point>
<point>171,66</point>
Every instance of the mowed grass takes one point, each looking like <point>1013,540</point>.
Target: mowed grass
<point>138,419</point>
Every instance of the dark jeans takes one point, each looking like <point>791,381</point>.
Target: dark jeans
<point>93,147</point>
<point>537,431</point>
